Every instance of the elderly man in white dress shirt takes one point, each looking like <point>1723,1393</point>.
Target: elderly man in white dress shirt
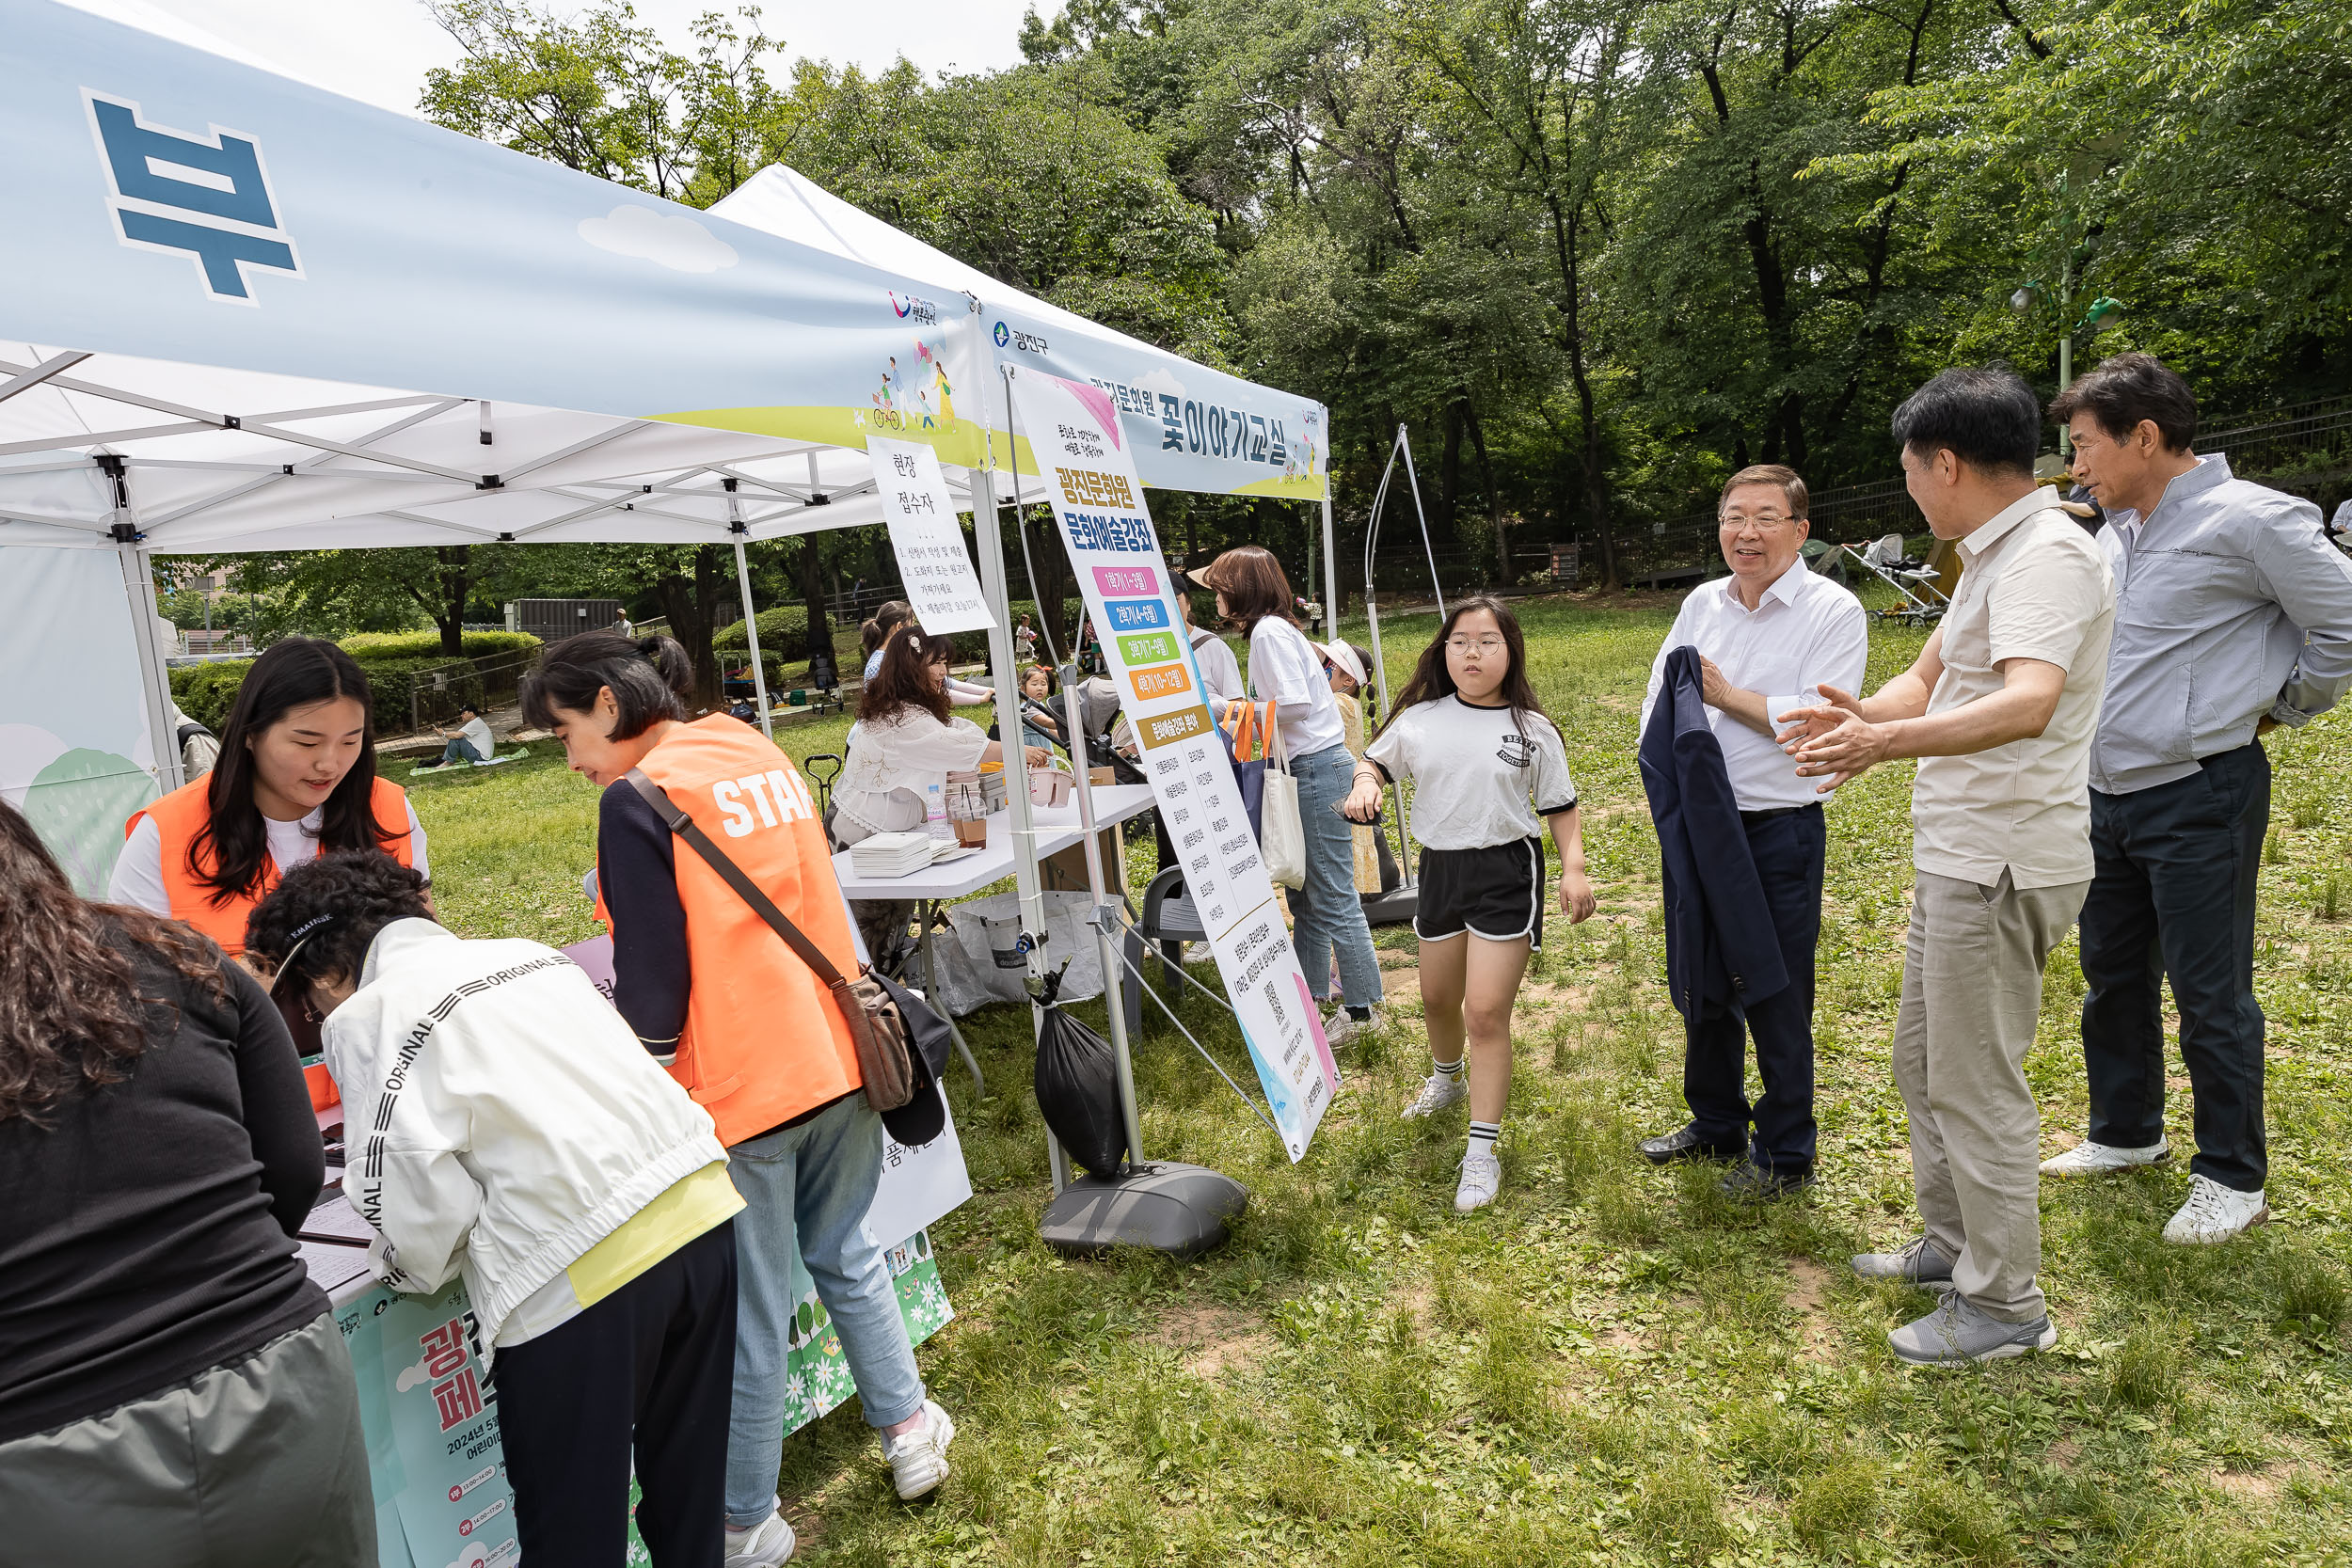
<point>1769,636</point>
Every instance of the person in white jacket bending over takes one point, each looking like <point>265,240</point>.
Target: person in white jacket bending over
<point>506,1124</point>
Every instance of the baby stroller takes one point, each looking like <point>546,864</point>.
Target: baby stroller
<point>1923,603</point>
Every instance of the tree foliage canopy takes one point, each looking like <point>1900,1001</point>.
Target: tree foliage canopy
<point>1595,253</point>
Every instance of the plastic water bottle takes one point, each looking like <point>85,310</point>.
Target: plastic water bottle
<point>935,810</point>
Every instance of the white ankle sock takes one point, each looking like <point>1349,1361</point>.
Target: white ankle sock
<point>1451,1071</point>
<point>1482,1136</point>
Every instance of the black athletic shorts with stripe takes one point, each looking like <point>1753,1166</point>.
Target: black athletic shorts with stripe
<point>1496,893</point>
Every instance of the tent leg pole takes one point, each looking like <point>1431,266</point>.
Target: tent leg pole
<point>988,535</point>
<point>1331,569</point>
<point>751,634</point>
<point>139,584</point>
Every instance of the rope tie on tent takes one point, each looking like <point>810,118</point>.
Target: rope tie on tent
<point>1129,965</point>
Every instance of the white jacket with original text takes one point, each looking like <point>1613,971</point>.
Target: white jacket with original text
<point>500,1117</point>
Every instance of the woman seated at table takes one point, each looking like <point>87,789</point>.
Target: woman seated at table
<point>905,743</point>
<point>172,1387</point>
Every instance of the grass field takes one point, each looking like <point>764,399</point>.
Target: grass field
<point>1612,1365</point>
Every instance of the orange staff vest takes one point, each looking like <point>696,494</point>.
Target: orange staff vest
<point>764,1039</point>
<point>179,815</point>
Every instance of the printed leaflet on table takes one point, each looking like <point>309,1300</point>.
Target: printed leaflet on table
<point>1073,431</point>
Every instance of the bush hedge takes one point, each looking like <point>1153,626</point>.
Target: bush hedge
<point>205,692</point>
<point>397,664</point>
<point>366,645</point>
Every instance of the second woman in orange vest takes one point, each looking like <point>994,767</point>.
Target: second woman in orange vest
<point>717,997</point>
<point>296,777</point>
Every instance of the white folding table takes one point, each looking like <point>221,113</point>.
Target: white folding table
<point>1058,828</point>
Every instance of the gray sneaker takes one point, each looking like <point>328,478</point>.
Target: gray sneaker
<point>1957,1333</point>
<point>1920,1263</point>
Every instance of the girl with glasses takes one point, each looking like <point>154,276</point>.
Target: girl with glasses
<point>1491,773</point>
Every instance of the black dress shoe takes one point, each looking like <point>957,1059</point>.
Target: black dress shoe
<point>1753,1182</point>
<point>1684,1143</point>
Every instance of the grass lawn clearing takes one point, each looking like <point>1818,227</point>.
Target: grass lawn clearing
<point>1612,1365</point>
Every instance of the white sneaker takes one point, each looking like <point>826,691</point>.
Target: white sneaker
<point>2215,1213</point>
<point>1199,953</point>
<point>766,1544</point>
<point>2090,1159</point>
<point>1481,1176</point>
<point>918,1458</point>
<point>1436,1095</point>
<point>1342,1027</point>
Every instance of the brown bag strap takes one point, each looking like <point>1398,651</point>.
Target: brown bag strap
<point>735,877</point>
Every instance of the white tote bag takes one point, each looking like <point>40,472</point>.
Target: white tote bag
<point>1284,842</point>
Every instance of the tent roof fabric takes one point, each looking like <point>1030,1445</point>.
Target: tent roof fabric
<point>202,461</point>
<point>244,314</point>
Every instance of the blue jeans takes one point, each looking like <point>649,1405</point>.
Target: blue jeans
<point>815,1181</point>
<point>1330,917</point>
<point>461,750</point>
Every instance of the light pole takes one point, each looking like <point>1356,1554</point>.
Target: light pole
<point>2104,311</point>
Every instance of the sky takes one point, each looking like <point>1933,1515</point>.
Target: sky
<point>378,50</point>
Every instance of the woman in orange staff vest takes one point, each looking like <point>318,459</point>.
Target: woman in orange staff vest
<point>718,998</point>
<point>296,776</point>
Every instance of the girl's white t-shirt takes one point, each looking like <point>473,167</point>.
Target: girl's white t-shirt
<point>1481,776</point>
<point>892,759</point>
<point>1285,669</point>
<point>138,874</point>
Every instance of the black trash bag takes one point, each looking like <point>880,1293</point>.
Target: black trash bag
<point>1077,1091</point>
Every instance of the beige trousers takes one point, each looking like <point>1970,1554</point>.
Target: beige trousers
<point>1972,993</point>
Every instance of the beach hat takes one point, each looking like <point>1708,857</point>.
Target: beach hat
<point>1344,657</point>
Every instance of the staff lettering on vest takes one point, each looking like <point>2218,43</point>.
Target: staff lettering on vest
<point>177,817</point>
<point>792,801</point>
<point>753,1051</point>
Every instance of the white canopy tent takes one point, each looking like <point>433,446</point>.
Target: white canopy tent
<point>246,314</point>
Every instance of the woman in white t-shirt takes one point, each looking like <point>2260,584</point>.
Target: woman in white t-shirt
<point>1490,773</point>
<point>1253,595</point>
<point>905,743</point>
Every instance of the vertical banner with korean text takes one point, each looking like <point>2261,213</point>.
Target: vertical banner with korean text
<point>942,589</point>
<point>1072,428</point>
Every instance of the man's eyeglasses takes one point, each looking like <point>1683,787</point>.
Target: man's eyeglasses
<point>1761,519</point>
<point>1479,645</point>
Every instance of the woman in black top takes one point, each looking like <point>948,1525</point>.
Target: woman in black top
<point>172,1388</point>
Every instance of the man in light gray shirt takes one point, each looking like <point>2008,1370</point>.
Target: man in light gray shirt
<point>2234,615</point>
<point>2000,707</point>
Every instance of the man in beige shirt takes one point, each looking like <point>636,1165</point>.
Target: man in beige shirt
<point>2000,708</point>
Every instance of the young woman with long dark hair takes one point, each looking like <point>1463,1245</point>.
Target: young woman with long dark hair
<point>1254,596</point>
<point>1490,773</point>
<point>902,742</point>
<point>296,777</point>
<point>173,1385</point>
<point>906,739</point>
<point>750,1033</point>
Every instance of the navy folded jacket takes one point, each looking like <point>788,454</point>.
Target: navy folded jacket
<point>1721,947</point>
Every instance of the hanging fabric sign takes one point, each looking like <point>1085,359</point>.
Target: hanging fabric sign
<point>1073,431</point>
<point>942,589</point>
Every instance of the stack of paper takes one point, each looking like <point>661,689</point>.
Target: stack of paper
<point>893,854</point>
